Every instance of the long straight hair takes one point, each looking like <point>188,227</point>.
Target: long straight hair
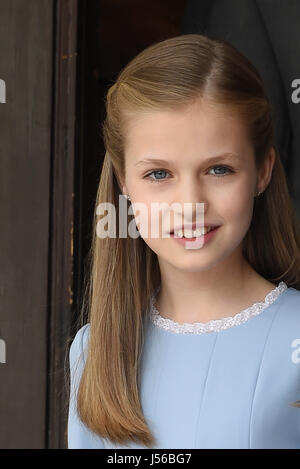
<point>124,272</point>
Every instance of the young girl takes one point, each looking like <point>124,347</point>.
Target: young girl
<point>191,343</point>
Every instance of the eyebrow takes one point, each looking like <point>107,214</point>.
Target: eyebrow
<point>211,159</point>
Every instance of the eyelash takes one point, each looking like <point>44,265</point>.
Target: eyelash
<point>147,176</point>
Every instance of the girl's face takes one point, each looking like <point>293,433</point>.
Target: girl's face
<point>189,141</point>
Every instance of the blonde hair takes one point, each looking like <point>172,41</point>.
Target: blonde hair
<point>124,272</point>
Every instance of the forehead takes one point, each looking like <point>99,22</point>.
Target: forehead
<point>194,129</point>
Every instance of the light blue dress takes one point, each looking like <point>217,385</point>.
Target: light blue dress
<point>227,384</point>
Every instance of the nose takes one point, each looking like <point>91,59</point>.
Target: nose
<point>191,197</point>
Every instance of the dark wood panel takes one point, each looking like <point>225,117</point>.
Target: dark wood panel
<point>25,142</point>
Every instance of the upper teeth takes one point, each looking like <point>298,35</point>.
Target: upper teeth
<point>192,233</point>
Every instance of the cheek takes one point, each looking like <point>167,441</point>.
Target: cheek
<point>149,217</point>
<point>238,211</point>
<point>142,213</point>
<point>236,198</point>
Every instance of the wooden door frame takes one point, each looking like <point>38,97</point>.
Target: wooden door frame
<point>61,233</point>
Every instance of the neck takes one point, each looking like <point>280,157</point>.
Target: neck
<point>214,294</point>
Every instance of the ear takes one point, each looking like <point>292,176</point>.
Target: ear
<point>265,172</point>
<point>124,190</point>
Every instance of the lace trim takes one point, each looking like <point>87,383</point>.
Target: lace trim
<point>214,325</point>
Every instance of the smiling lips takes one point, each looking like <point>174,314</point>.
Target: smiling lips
<point>190,231</point>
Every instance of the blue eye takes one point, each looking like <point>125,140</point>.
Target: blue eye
<point>155,171</point>
<point>224,167</point>
<point>162,179</point>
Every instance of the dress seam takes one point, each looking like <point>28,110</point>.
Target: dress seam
<point>259,371</point>
<point>204,392</point>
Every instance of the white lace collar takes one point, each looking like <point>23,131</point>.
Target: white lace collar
<point>214,325</point>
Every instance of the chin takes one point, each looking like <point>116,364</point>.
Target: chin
<point>195,264</point>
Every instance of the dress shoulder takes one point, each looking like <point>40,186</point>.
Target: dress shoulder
<point>289,312</point>
<point>79,436</point>
<point>78,347</point>
<point>282,351</point>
